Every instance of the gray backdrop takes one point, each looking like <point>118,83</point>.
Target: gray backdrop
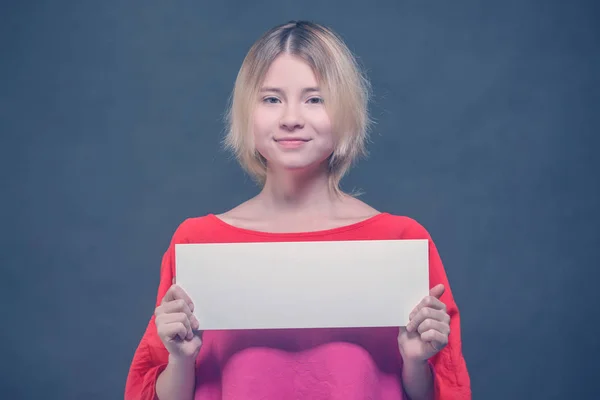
<point>110,119</point>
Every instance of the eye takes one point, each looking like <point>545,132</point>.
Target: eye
<point>271,100</point>
<point>315,100</point>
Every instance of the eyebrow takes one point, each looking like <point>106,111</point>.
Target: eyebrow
<point>278,90</point>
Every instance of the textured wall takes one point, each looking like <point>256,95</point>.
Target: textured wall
<point>110,124</point>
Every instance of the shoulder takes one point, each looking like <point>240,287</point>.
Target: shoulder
<point>402,226</point>
<point>406,227</point>
<point>195,229</point>
<point>410,229</point>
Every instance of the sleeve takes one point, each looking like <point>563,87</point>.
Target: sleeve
<point>451,377</point>
<point>151,357</point>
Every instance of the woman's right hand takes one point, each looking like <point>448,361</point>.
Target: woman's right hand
<point>175,324</point>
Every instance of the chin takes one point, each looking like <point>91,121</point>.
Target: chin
<point>296,160</point>
<point>292,166</point>
<point>297,164</point>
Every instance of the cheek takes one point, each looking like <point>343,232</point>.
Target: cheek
<point>261,130</point>
<point>263,121</point>
<point>323,125</point>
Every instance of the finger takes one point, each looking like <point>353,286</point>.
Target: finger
<point>174,293</point>
<point>174,306</point>
<point>427,313</point>
<point>165,320</point>
<point>190,320</point>
<point>179,331</point>
<point>172,331</point>
<point>437,291</point>
<point>432,324</point>
<point>194,323</point>
<point>437,339</point>
<point>428,301</point>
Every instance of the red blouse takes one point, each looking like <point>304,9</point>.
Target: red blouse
<point>340,363</point>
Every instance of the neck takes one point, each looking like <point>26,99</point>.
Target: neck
<point>298,192</point>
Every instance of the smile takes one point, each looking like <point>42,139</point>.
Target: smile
<point>291,143</point>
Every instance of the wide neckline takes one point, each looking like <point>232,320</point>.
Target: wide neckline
<point>322,232</point>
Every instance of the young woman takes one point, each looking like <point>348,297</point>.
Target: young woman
<point>297,122</point>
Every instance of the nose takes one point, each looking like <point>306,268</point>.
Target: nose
<point>291,118</point>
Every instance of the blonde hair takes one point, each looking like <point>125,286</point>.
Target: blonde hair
<point>345,89</point>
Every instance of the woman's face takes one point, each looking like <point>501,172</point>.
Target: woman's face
<point>291,127</point>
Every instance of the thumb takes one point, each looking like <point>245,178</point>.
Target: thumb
<point>437,291</point>
<point>402,332</point>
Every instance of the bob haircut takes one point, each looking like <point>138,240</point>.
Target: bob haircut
<point>345,90</point>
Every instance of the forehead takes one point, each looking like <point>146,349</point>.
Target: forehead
<point>290,71</point>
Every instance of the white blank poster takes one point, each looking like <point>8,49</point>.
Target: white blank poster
<point>303,284</point>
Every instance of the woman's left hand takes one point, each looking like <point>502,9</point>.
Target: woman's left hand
<point>427,332</point>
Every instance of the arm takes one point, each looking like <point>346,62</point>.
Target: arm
<point>177,381</point>
<point>176,327</point>
<point>153,373</point>
<point>417,380</point>
<point>446,371</point>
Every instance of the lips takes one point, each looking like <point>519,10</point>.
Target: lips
<point>290,143</point>
<point>292,139</point>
